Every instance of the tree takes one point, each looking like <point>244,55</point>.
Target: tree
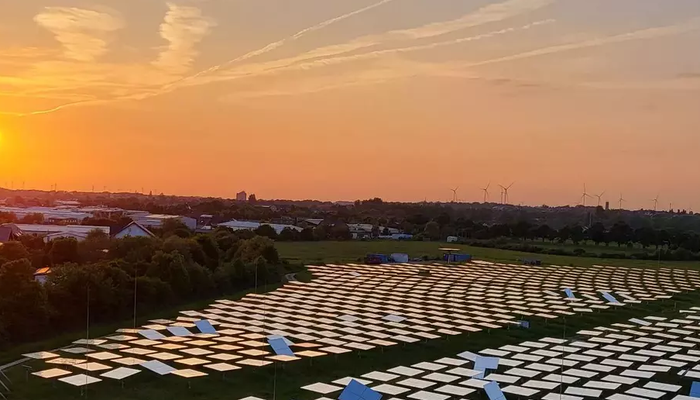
<point>95,247</point>
<point>543,232</point>
<point>23,304</point>
<point>153,293</point>
<point>306,235</point>
<point>34,218</point>
<point>64,250</point>
<point>258,246</point>
<point>252,198</point>
<point>201,280</point>
<point>340,231</point>
<point>288,235</point>
<point>621,233</point>
<point>577,235</point>
<point>522,229</point>
<point>645,236</point>
<point>134,249</point>
<point>7,217</point>
<point>175,227</point>
<point>210,249</point>
<point>443,219</point>
<point>170,268</point>
<point>13,251</point>
<point>564,234</point>
<point>597,234</point>
<point>386,231</point>
<point>432,230</point>
<point>267,231</point>
<point>321,232</point>
<point>662,238</point>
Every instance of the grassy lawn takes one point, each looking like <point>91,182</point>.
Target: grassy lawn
<point>286,379</point>
<point>354,251</point>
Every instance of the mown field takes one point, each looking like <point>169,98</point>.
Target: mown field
<point>354,251</point>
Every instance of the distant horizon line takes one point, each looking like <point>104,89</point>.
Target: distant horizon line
<point>88,193</point>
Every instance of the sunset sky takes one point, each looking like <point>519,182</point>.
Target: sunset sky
<point>350,99</point>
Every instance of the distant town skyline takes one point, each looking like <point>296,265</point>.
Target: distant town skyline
<point>353,99</point>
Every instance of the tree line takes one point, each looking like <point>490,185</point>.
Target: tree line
<point>112,274</point>
<point>655,243</point>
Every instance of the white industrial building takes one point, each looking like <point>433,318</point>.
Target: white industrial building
<point>156,220</point>
<point>53,232</point>
<point>51,214</point>
<point>253,225</point>
<point>73,215</point>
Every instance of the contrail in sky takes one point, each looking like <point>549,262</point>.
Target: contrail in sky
<point>279,43</point>
<point>650,33</point>
<point>643,34</point>
<point>254,53</point>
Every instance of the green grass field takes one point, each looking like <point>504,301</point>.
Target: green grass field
<point>354,251</point>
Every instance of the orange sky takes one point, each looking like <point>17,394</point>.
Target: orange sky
<point>354,99</point>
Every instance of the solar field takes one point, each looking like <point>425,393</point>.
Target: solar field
<point>356,308</point>
<point>643,359</point>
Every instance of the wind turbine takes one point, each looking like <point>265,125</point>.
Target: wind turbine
<point>584,195</point>
<point>656,202</point>
<point>622,200</point>
<point>486,192</point>
<point>504,193</point>
<point>600,197</point>
<point>454,194</point>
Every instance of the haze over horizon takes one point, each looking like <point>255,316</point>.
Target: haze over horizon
<point>398,99</point>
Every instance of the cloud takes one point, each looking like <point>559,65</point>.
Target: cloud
<point>83,33</point>
<point>184,27</point>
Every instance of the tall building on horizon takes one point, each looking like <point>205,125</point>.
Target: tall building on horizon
<point>607,206</point>
<point>242,196</point>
